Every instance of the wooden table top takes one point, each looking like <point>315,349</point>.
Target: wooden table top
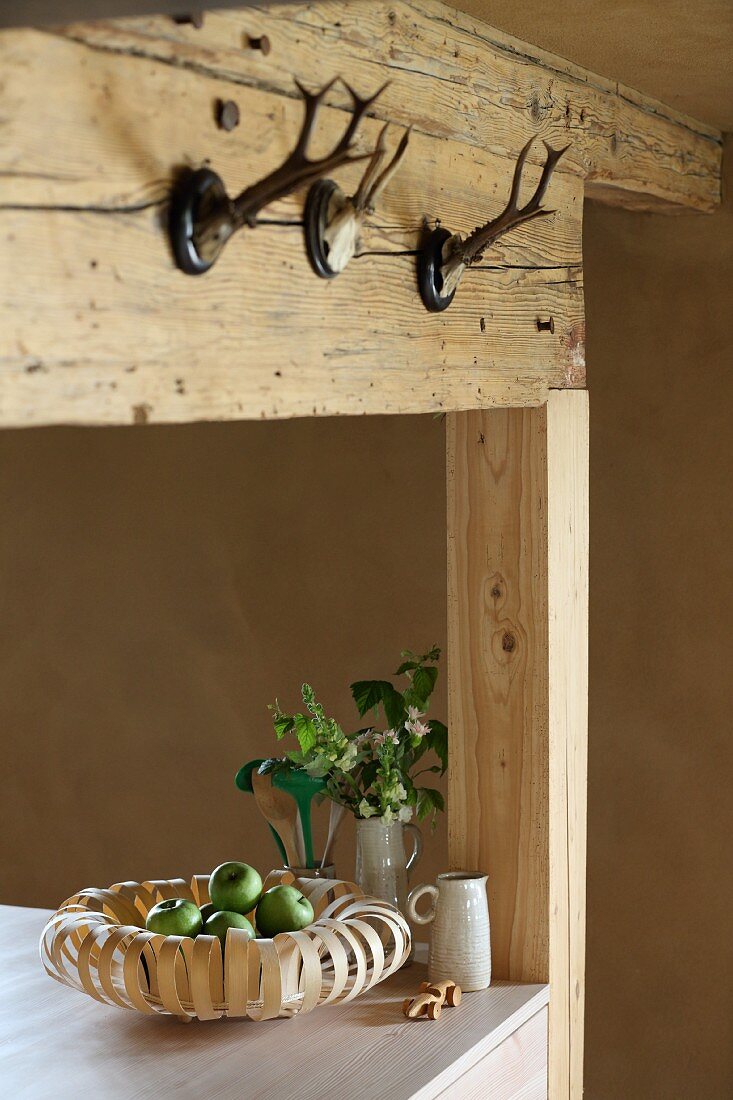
<point>59,1043</point>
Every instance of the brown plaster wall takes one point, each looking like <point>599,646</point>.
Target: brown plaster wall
<point>161,585</point>
<point>660,882</point>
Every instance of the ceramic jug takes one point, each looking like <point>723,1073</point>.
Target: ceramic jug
<point>382,865</point>
<point>460,940</point>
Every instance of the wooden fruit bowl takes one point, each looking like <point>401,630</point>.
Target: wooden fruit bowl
<point>97,943</point>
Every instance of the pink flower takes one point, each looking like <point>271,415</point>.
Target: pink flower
<point>381,738</point>
<point>413,714</point>
<point>417,729</point>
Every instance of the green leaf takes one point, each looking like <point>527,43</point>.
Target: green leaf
<point>429,801</point>
<point>283,724</point>
<point>274,764</point>
<point>394,707</point>
<point>437,740</point>
<point>369,694</point>
<point>423,681</point>
<point>369,774</point>
<point>406,666</point>
<point>306,733</point>
<point>420,750</point>
<point>412,699</point>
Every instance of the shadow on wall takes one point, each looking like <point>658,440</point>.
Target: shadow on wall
<point>660,890</point>
<point>161,586</point>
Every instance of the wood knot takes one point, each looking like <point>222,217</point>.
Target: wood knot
<point>508,642</point>
<point>535,109</point>
<point>496,591</point>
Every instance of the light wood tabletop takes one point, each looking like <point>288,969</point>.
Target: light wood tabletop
<point>59,1043</point>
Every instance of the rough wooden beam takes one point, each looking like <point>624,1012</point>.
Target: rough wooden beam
<point>101,328</point>
<point>97,118</point>
<point>453,76</point>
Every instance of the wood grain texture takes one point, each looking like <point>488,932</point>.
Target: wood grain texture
<point>66,1045</point>
<point>455,77</point>
<point>517,1070</point>
<point>568,545</point>
<point>517,648</point>
<point>497,673</point>
<point>102,328</point>
<point>85,173</point>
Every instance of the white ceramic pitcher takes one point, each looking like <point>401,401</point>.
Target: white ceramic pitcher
<point>382,866</point>
<point>460,939</point>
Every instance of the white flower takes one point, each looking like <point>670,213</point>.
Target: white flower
<point>365,810</point>
<point>349,756</point>
<point>413,714</point>
<point>416,728</point>
<point>405,813</point>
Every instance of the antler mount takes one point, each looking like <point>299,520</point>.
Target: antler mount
<point>334,221</point>
<point>203,216</point>
<point>446,256</point>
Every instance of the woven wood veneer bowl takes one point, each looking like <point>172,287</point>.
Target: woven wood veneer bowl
<point>97,943</point>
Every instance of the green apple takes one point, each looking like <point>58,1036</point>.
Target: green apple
<point>174,917</point>
<point>207,910</point>
<point>235,887</point>
<point>283,909</point>
<point>219,923</point>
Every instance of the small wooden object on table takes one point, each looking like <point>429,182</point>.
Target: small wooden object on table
<point>449,992</point>
<point>430,1000</point>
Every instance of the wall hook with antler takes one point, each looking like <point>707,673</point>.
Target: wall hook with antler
<point>203,216</point>
<point>445,256</point>
<point>333,221</point>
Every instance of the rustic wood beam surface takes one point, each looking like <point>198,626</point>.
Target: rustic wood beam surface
<point>452,76</point>
<point>99,326</point>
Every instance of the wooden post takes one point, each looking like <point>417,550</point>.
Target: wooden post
<point>517,641</point>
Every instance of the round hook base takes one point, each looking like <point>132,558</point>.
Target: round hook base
<point>429,278</point>
<point>195,199</point>
<point>315,221</point>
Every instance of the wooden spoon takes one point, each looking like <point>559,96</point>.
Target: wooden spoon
<point>243,780</point>
<point>279,809</point>
<point>334,821</point>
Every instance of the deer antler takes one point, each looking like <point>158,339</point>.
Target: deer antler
<point>462,253</point>
<point>373,183</point>
<point>297,170</point>
<point>334,220</point>
<point>204,216</point>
